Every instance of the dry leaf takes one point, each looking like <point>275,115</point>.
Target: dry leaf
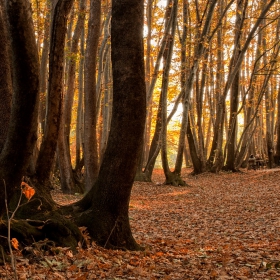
<point>27,190</point>
<point>15,243</point>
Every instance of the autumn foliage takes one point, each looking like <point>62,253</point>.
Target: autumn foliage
<point>222,226</point>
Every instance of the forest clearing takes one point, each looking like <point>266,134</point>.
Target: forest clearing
<point>221,226</point>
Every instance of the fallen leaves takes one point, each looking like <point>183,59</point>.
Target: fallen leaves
<point>225,226</point>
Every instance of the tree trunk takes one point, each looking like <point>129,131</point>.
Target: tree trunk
<point>105,207</point>
<point>22,133</point>
<point>171,178</point>
<point>107,108</point>
<point>5,80</point>
<point>216,150</point>
<point>90,98</point>
<point>64,156</point>
<point>55,91</point>
<point>44,69</point>
<point>197,164</point>
<point>235,88</point>
<point>247,132</point>
<point>146,175</point>
<point>80,114</point>
<point>277,154</point>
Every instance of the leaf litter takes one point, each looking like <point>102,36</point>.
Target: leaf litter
<point>222,226</point>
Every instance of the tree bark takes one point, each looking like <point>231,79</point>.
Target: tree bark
<point>55,91</point>
<point>90,97</point>
<point>5,80</point>
<point>235,88</point>
<point>105,207</point>
<point>22,131</point>
<point>64,156</point>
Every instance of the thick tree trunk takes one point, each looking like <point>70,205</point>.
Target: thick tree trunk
<point>105,207</point>
<point>5,80</point>
<point>20,142</point>
<point>22,135</point>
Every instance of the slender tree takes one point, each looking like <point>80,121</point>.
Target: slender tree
<point>64,157</point>
<point>90,98</point>
<point>46,155</point>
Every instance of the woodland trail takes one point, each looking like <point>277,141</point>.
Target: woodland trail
<point>223,226</point>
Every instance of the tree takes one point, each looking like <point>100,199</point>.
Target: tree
<point>5,80</point>
<point>90,97</point>
<point>216,150</point>
<point>21,136</point>
<point>235,87</point>
<point>46,155</point>
<point>64,157</point>
<point>104,210</point>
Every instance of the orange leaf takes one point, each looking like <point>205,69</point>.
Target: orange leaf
<point>14,243</point>
<point>27,190</point>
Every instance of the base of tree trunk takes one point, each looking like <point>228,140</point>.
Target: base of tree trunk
<point>175,180</point>
<point>229,169</point>
<point>143,177</point>
<point>40,218</point>
<point>52,226</point>
<point>108,231</point>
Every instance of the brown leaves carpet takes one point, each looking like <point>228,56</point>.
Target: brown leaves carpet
<point>222,226</point>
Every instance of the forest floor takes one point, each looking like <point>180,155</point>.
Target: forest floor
<point>221,226</point>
